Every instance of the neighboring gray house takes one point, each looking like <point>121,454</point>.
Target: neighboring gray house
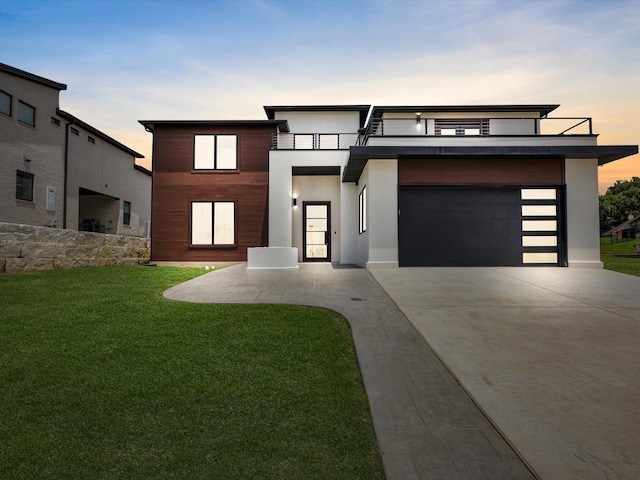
<point>58,171</point>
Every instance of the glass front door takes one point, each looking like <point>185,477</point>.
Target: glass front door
<point>317,231</point>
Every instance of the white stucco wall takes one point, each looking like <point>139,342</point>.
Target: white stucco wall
<point>321,189</point>
<point>349,223</point>
<point>362,240</point>
<point>378,246</point>
<point>474,141</point>
<point>281,190</point>
<point>583,224</point>
<point>321,122</point>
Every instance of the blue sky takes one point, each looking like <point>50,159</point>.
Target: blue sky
<point>126,60</point>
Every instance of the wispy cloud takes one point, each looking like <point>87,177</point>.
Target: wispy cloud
<point>165,59</point>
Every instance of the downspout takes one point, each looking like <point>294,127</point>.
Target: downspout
<point>66,176</point>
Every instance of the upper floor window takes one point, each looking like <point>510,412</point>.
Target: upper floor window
<point>26,114</point>
<point>91,139</point>
<point>24,186</point>
<point>74,131</point>
<point>215,152</point>
<point>5,103</point>
<point>55,121</point>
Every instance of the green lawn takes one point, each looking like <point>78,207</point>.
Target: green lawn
<point>102,378</point>
<point>627,265</point>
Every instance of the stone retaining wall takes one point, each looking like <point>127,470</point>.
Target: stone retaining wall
<point>27,248</point>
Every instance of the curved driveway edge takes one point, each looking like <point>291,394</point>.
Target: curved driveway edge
<point>552,355</point>
<point>427,426</point>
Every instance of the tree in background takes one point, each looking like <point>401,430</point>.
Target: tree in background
<point>622,198</point>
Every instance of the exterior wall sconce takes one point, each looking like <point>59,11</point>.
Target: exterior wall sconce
<point>418,119</point>
<point>26,157</point>
<point>295,202</point>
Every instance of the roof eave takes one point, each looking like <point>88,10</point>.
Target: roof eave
<point>359,155</point>
<point>16,72</point>
<point>149,125</point>
<point>363,110</point>
<point>543,109</point>
<point>103,136</point>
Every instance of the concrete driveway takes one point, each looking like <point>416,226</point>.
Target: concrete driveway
<point>551,355</point>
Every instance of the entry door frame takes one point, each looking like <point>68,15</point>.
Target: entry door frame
<point>327,233</point>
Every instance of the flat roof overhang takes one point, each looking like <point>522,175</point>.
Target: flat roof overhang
<point>150,125</point>
<point>360,155</point>
<point>542,109</point>
<point>363,110</point>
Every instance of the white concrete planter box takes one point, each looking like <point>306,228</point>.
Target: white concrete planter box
<point>272,257</point>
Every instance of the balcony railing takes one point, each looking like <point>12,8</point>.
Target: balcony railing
<point>313,141</point>
<point>435,127</point>
<point>477,127</point>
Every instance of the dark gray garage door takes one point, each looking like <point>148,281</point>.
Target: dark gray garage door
<point>476,226</point>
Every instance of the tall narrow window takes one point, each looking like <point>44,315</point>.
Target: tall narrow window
<point>126,213</point>
<point>213,223</point>
<point>26,114</point>
<point>24,186</point>
<point>5,103</point>
<point>215,152</point>
<point>363,210</point>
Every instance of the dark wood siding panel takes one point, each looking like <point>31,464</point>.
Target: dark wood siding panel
<point>172,197</point>
<point>173,148</point>
<point>480,170</point>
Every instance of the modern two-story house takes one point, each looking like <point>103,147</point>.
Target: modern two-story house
<point>57,170</point>
<point>384,186</point>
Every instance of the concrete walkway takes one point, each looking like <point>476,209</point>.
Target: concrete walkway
<point>552,355</point>
<point>427,425</point>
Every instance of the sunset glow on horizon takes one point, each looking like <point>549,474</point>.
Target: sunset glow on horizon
<point>124,61</point>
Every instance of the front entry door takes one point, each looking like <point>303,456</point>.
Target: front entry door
<point>316,235</point>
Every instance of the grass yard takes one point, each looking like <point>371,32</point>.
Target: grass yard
<point>627,265</point>
<point>102,378</point>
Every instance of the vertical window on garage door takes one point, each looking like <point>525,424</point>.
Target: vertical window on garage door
<point>540,226</point>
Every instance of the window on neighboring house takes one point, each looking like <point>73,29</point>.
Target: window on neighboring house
<point>215,152</point>
<point>26,114</point>
<point>55,121</point>
<point>362,200</point>
<point>213,223</point>
<point>74,131</point>
<point>5,103</point>
<point>24,186</point>
<point>126,213</point>
<point>91,139</point>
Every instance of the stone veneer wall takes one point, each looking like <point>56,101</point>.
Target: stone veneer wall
<point>28,248</point>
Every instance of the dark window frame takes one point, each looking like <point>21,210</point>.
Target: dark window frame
<point>126,215</point>
<point>213,225</point>
<point>215,152</point>
<point>74,131</point>
<point>91,140</point>
<point>22,192</point>
<point>10,104</point>
<point>23,103</point>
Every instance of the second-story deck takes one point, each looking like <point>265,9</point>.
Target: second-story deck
<point>436,130</point>
<point>418,126</point>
